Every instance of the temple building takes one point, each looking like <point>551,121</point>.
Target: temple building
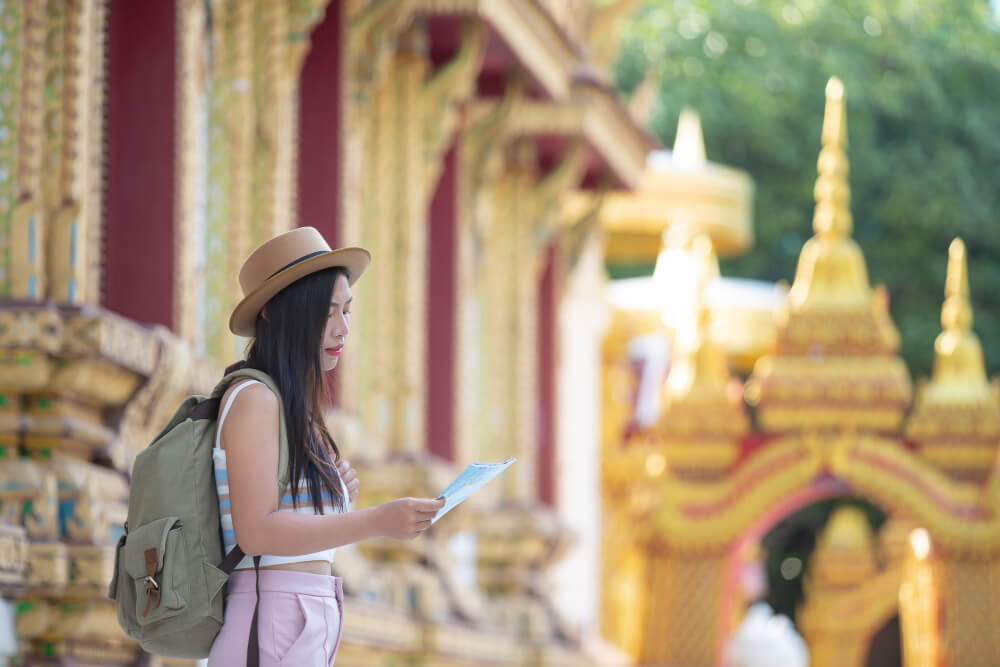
<point>692,486</point>
<point>478,149</point>
<point>147,147</point>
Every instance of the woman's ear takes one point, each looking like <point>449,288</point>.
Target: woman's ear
<point>263,312</point>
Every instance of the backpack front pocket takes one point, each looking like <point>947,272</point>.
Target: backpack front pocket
<point>151,553</point>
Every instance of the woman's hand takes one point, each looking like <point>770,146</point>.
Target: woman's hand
<point>405,518</point>
<point>350,477</point>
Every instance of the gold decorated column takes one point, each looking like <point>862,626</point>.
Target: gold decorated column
<point>24,32</point>
<point>536,206</point>
<point>190,242</point>
<point>482,179</point>
<point>227,136</point>
<point>271,205</point>
<point>403,120</point>
<point>73,166</point>
<point>394,214</point>
<point>370,192</point>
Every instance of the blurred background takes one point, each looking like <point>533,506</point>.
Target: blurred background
<point>722,275</point>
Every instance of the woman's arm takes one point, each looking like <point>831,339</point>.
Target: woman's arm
<point>250,438</point>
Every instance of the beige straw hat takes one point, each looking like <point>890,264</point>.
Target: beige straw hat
<point>278,263</point>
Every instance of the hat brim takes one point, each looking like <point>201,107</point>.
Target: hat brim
<point>243,320</point>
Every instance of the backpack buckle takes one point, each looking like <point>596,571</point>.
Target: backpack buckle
<point>152,588</point>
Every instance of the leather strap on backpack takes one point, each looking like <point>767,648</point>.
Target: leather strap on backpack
<point>253,643</point>
<point>229,564</point>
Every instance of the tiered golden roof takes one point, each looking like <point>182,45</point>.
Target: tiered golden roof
<point>835,362</point>
<point>679,188</point>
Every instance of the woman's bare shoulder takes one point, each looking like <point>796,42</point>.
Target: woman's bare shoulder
<point>254,407</point>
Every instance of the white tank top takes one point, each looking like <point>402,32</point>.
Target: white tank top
<point>225,509</point>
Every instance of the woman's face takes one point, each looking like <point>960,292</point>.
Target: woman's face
<point>338,324</point>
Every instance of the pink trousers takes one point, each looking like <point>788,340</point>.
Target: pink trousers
<point>300,619</point>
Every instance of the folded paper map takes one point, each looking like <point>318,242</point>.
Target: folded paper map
<point>470,481</point>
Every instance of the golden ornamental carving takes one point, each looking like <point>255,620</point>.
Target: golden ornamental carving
<point>444,94</point>
<point>42,521</point>
<point>48,569</point>
<point>35,618</point>
<point>151,405</point>
<point>518,540</point>
<point>91,567</point>
<point>92,332</point>
<point>303,15</point>
<point>848,598</point>
<point>375,26</point>
<point>486,132</point>
<point>531,31</point>
<point>552,188</point>
<point>13,554</point>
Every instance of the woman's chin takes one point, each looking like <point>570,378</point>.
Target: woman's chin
<point>329,364</point>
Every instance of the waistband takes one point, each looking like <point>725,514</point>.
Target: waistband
<point>286,581</point>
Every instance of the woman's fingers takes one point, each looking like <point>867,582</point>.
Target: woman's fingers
<point>429,505</point>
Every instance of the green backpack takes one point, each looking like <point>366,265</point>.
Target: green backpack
<point>170,575</point>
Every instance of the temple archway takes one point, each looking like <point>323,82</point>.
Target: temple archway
<point>821,555</point>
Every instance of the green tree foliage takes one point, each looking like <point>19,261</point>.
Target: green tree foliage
<point>923,100</point>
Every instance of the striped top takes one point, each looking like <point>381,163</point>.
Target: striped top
<point>225,509</point>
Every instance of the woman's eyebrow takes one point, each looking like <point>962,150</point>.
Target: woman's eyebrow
<point>334,304</point>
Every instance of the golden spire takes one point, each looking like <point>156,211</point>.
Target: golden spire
<point>831,272</point>
<point>832,218</point>
<point>700,367</point>
<point>959,370</point>
<point>689,145</point>
<point>956,420</point>
<point>956,314</point>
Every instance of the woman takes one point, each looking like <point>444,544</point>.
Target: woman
<point>297,309</point>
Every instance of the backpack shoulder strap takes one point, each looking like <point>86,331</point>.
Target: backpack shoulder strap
<point>265,379</point>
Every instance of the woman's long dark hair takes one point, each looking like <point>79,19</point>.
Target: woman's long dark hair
<point>287,346</point>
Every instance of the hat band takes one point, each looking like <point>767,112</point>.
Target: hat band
<point>297,261</point>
